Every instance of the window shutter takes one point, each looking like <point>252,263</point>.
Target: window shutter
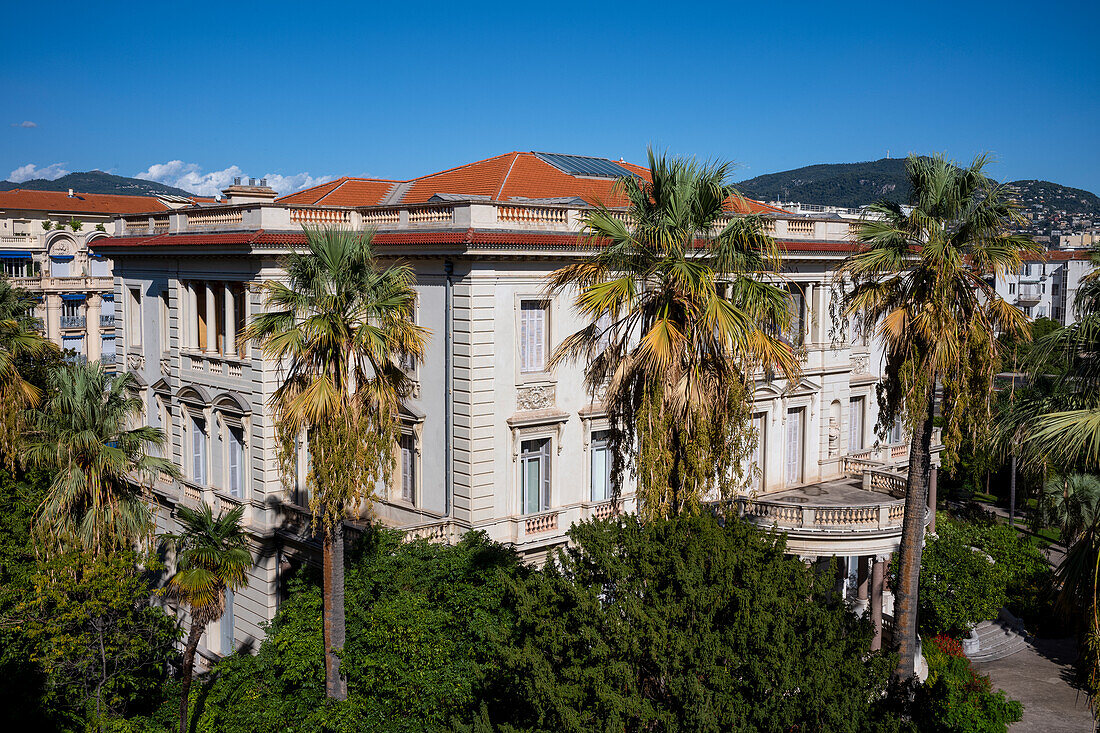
<point>227,624</point>
<point>544,504</point>
<point>794,446</point>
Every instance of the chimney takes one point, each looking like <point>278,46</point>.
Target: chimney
<point>70,193</point>
<point>249,192</point>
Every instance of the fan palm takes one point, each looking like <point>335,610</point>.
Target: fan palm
<point>212,557</point>
<point>343,325</point>
<point>82,435</point>
<point>924,279</point>
<point>684,310</point>
<point>1065,421</point>
<point>19,338</point>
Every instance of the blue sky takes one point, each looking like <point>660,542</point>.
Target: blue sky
<point>309,90</point>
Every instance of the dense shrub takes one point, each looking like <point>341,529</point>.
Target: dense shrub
<point>956,699</point>
<point>682,625</point>
<point>422,621</point>
<point>959,586</point>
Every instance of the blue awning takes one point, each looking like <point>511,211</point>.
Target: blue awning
<point>108,296</point>
<point>11,254</point>
<point>61,258</point>
<point>73,296</point>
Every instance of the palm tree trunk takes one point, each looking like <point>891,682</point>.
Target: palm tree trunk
<point>912,541</point>
<point>188,669</point>
<point>335,628</point>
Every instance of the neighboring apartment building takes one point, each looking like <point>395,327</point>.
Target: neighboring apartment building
<point>493,439</point>
<point>1046,285</point>
<point>74,285</point>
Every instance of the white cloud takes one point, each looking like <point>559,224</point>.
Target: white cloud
<point>31,171</point>
<point>24,123</point>
<point>190,177</point>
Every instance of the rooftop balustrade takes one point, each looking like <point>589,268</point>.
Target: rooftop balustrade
<point>502,215</point>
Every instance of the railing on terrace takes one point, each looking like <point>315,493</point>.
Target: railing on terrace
<point>504,215</point>
<point>107,319</point>
<point>880,516</point>
<point>74,321</point>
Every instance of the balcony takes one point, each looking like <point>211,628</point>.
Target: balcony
<point>74,321</point>
<point>107,320</point>
<point>1029,294</point>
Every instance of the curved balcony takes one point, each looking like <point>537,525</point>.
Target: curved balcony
<point>845,517</point>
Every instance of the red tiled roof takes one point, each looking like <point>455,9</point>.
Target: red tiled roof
<point>343,192</point>
<point>90,203</point>
<point>500,178</point>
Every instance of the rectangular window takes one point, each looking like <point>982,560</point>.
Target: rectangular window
<point>533,336</point>
<point>165,316</point>
<point>14,267</point>
<point>235,462</point>
<point>757,464</point>
<point>794,447</point>
<point>303,463</point>
<point>133,317</point>
<point>72,308</point>
<point>74,343</point>
<point>1012,288</point>
<point>226,624</point>
<point>797,305</point>
<point>408,468</point>
<point>855,424</point>
<point>59,266</point>
<point>897,432</point>
<point>535,475</point>
<point>601,465</point>
<point>198,293</point>
<point>198,450</point>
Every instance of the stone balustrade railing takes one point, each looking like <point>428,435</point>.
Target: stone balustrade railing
<point>503,215</point>
<point>885,515</point>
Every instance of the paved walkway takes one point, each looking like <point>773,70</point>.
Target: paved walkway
<point>1041,677</point>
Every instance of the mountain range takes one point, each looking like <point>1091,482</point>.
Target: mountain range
<point>857,184</point>
<point>96,182</point>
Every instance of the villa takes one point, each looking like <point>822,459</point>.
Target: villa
<point>493,439</point>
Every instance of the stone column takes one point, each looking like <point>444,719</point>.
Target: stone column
<point>230,323</point>
<point>861,579</point>
<point>932,479</point>
<point>211,320</point>
<point>53,317</point>
<point>95,307</point>
<point>878,574</point>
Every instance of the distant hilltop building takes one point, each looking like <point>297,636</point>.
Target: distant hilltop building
<point>44,238</point>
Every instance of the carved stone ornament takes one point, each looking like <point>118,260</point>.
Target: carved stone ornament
<point>834,437</point>
<point>166,367</point>
<point>136,362</point>
<point>535,398</point>
<point>860,362</point>
<point>62,246</point>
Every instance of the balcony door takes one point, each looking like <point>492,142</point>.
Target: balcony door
<point>795,426</point>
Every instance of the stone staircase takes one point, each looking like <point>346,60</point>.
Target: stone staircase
<point>996,640</point>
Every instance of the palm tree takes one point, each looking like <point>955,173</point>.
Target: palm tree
<point>684,311</point>
<point>343,325</point>
<point>1065,423</point>
<point>82,434</point>
<point>19,339</point>
<point>924,278</point>
<point>212,557</point>
<point>1072,503</point>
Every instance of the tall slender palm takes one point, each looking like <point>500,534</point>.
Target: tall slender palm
<point>343,325</point>
<point>684,310</point>
<point>212,557</point>
<point>19,338</point>
<point>923,278</point>
<point>82,434</point>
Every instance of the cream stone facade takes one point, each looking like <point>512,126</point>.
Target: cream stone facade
<point>493,440</point>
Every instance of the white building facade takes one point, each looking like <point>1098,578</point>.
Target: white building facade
<point>493,439</point>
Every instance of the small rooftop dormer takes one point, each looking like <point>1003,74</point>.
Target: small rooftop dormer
<point>249,191</point>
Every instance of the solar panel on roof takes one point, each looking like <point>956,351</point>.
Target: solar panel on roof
<point>581,165</point>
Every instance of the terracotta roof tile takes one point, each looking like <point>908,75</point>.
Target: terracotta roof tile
<point>343,192</point>
<point>500,178</point>
<point>86,203</point>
